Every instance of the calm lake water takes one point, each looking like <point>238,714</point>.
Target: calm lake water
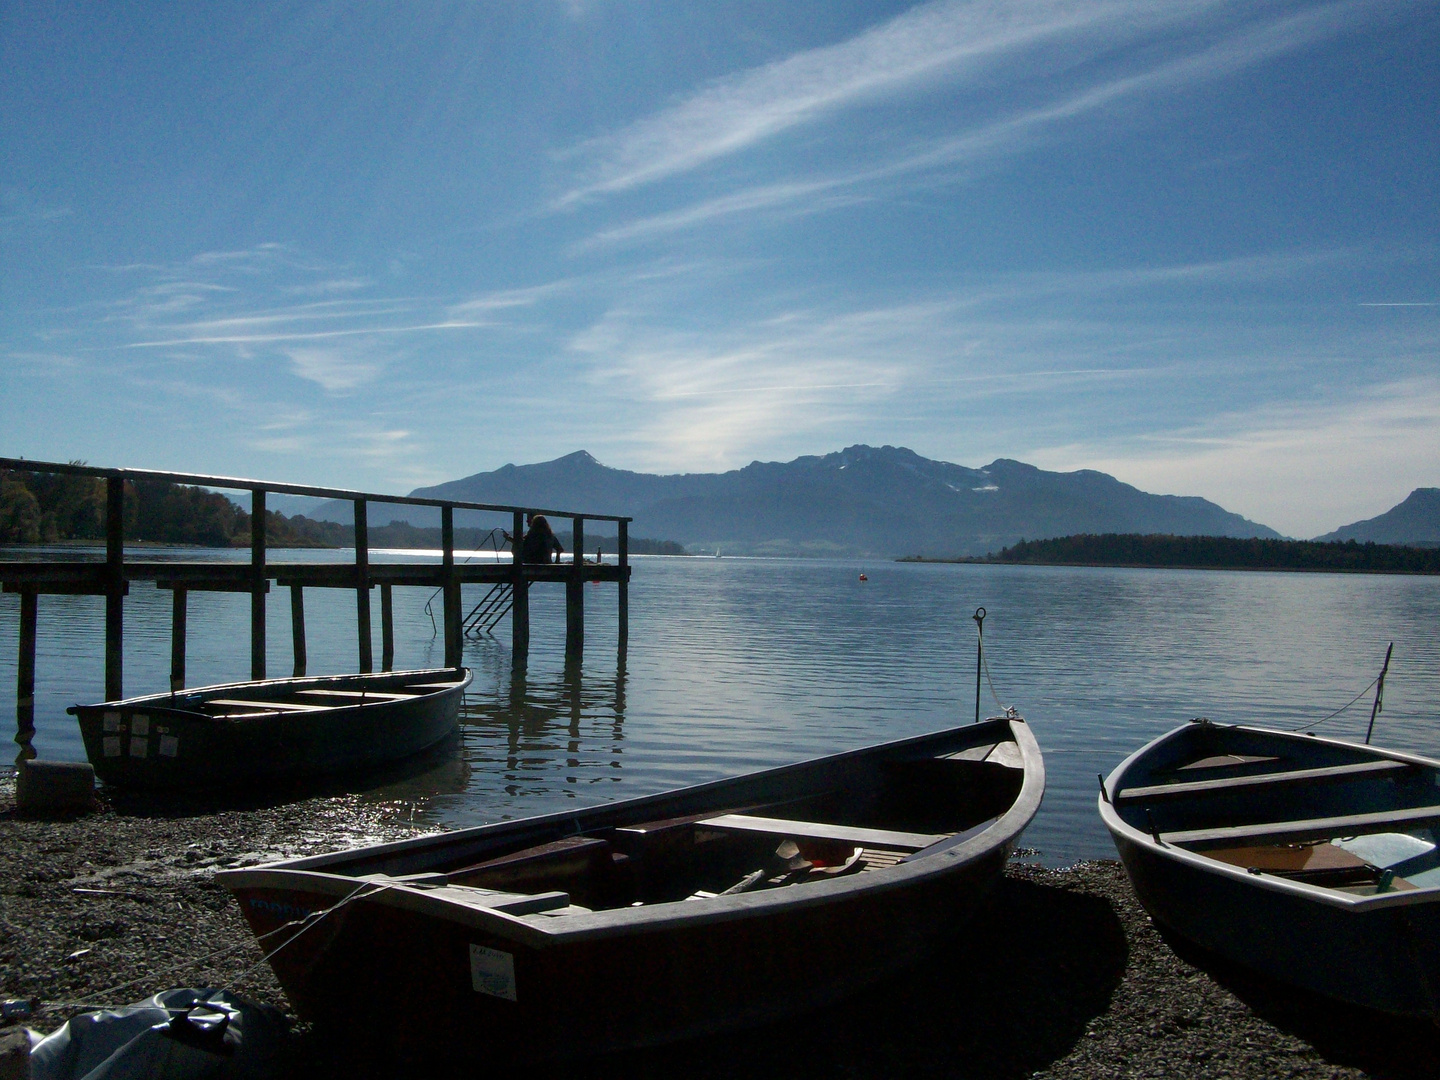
<point>736,664</point>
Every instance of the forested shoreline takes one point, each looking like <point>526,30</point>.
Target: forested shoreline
<point>1219,553</point>
<point>48,508</point>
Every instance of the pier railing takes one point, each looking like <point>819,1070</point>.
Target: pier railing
<point>111,578</point>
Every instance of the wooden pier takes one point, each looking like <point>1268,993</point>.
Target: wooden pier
<point>111,579</point>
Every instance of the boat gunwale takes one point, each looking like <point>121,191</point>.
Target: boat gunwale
<point>1195,860</point>
<point>540,930</point>
<point>164,701</point>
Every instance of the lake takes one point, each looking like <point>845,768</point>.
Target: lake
<point>735,664</point>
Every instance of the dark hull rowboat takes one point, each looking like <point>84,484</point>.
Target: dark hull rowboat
<point>1311,861</point>
<point>270,731</point>
<point>653,919</point>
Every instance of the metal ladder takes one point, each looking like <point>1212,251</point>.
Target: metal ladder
<point>493,607</point>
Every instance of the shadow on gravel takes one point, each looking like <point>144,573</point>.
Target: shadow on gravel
<point>439,770</point>
<point>1382,1046</point>
<point>1012,996</point>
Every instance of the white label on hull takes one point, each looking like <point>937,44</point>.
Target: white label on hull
<point>492,972</point>
<point>139,724</point>
<point>112,721</point>
<point>138,745</point>
<point>112,745</point>
<point>169,746</point>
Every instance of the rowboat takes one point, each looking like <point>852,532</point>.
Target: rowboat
<point>653,919</point>
<point>1311,861</point>
<point>270,730</point>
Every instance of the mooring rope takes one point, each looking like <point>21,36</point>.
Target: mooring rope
<point>1008,710</point>
<point>313,919</point>
<point>1342,708</point>
<point>490,536</point>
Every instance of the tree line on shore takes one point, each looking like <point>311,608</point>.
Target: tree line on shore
<point>1221,553</point>
<point>46,508</point>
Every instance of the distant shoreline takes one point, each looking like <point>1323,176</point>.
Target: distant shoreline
<point>1129,551</point>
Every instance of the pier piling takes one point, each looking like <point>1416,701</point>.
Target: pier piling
<point>362,587</point>
<point>114,587</point>
<point>454,643</point>
<point>25,676</point>
<point>520,595</point>
<point>178,610</point>
<point>258,584</point>
<point>387,630</point>
<point>575,595</point>
<point>297,626</point>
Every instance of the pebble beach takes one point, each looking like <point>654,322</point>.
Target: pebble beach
<point>1065,976</point>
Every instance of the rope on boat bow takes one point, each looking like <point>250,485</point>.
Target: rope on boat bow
<point>982,664</point>
<point>1377,683</point>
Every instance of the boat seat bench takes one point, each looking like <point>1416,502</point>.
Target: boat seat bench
<point>1313,828</point>
<point>814,830</point>
<point>255,705</point>
<point>358,695</point>
<point>1330,774</point>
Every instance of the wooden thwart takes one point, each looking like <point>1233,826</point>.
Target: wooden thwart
<point>265,706</point>
<point>1314,828</point>
<point>814,830</point>
<point>358,695</point>
<point>1233,783</point>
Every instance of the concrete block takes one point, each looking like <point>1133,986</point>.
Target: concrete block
<point>45,787</point>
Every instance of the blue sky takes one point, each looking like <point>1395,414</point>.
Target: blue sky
<point>1192,244</point>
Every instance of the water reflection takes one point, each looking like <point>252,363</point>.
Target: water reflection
<point>549,735</point>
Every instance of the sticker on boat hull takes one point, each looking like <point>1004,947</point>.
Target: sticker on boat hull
<point>139,744</point>
<point>112,745</point>
<point>169,746</point>
<point>139,724</point>
<point>492,972</point>
<point>111,721</point>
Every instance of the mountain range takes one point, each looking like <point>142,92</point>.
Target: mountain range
<point>885,501</point>
<point>1414,522</point>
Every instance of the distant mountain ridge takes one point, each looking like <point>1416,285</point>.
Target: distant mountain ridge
<point>885,501</point>
<point>1415,521</point>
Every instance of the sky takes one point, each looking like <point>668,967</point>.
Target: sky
<point>1192,244</point>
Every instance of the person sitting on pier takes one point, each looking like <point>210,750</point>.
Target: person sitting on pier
<point>539,544</point>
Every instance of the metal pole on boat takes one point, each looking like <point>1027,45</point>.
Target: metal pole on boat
<point>979,618</point>
<point>1379,692</point>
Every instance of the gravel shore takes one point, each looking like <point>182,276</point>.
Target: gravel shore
<point>1065,977</point>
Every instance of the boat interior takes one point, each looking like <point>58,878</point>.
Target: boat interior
<point>1333,816</point>
<point>755,840</point>
<point>268,699</point>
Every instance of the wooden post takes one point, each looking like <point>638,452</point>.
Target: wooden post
<point>362,586</point>
<point>387,629</point>
<point>520,593</point>
<point>451,605</point>
<point>114,588</point>
<point>575,594</point>
<point>25,676</point>
<point>257,584</point>
<point>297,626</point>
<point>178,598</point>
<point>623,630</point>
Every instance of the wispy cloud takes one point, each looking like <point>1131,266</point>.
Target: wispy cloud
<point>937,40</point>
<point>315,335</point>
<point>957,155</point>
<point>504,299</point>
